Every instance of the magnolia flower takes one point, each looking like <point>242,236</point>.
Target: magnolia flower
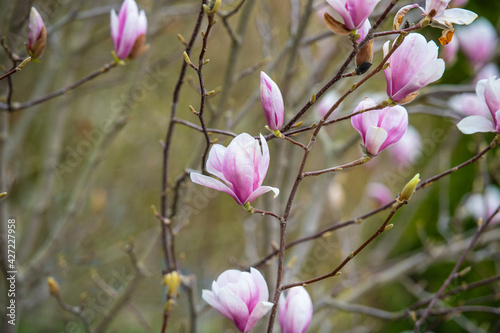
<point>408,149</point>
<point>242,168</point>
<point>439,16</point>
<point>484,205</point>
<point>478,42</point>
<point>380,193</point>
<point>240,296</point>
<point>380,128</point>
<point>128,30</point>
<point>354,12</point>
<point>37,35</point>
<point>412,66</point>
<point>295,310</point>
<point>489,92</point>
<point>272,102</point>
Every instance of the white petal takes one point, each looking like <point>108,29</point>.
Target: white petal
<point>457,16</point>
<point>473,124</point>
<point>375,137</point>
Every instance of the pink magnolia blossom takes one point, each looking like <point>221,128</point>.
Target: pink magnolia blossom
<point>272,102</point>
<point>380,193</point>
<point>295,310</point>
<point>412,66</point>
<point>440,16</point>
<point>380,128</point>
<point>37,35</point>
<point>241,166</point>
<point>478,41</point>
<point>489,92</point>
<point>240,296</point>
<point>128,30</point>
<point>354,12</point>
<point>408,149</point>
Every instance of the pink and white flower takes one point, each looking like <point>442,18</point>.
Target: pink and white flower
<point>272,102</point>
<point>489,92</point>
<point>295,310</point>
<point>478,41</point>
<point>242,168</point>
<point>354,12</point>
<point>411,67</point>
<point>440,16</point>
<point>380,129</point>
<point>128,30</point>
<point>240,296</point>
<point>37,35</point>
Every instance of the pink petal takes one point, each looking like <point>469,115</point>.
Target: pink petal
<point>473,124</point>
<point>212,300</point>
<point>261,284</point>
<point>258,312</point>
<point>128,36</point>
<point>492,94</point>
<point>35,26</point>
<point>238,168</point>
<point>114,30</point>
<point>362,121</point>
<point>427,74</point>
<point>236,307</point>
<point>215,161</point>
<point>213,183</point>
<point>261,190</point>
<point>142,25</point>
<point>395,123</point>
<point>263,164</point>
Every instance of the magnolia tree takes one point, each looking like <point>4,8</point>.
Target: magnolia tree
<point>398,233</point>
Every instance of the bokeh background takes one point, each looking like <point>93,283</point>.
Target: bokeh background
<point>83,170</point>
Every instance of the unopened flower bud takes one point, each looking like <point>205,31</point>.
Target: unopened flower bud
<point>335,26</point>
<point>272,102</point>
<point>173,281</point>
<point>37,35</point>
<point>53,286</point>
<point>409,188</point>
<point>3,194</point>
<point>128,30</point>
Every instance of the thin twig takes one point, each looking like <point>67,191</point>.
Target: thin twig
<point>63,91</point>
<point>441,290</point>
<point>359,161</point>
<point>334,272</point>
<point>199,129</point>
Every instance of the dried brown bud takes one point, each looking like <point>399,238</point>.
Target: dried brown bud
<point>139,47</point>
<point>38,47</point>
<point>407,99</point>
<point>365,54</point>
<point>336,26</point>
